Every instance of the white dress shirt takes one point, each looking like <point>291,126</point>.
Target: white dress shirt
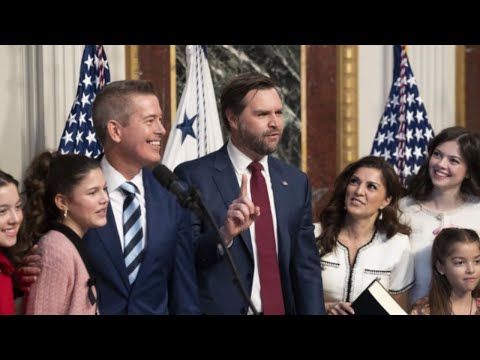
<point>426,224</point>
<point>240,164</point>
<point>114,180</point>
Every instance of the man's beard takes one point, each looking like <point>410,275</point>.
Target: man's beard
<point>256,143</point>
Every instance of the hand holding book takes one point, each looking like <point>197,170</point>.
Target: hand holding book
<point>376,300</point>
<point>340,308</point>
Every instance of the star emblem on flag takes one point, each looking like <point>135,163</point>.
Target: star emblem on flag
<point>187,127</point>
<point>404,131</point>
<point>195,135</point>
<point>79,134</point>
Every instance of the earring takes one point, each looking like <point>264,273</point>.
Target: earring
<point>380,217</point>
<point>65,213</point>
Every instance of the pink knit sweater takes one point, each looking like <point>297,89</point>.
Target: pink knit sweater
<point>61,288</point>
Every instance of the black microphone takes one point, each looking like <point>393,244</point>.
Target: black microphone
<point>190,198</point>
<point>173,184</point>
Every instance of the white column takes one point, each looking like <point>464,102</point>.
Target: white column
<point>13,109</point>
<point>434,69</point>
<point>60,69</point>
<point>38,84</point>
<point>374,63</point>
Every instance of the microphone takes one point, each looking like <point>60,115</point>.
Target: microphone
<point>172,183</point>
<point>189,197</point>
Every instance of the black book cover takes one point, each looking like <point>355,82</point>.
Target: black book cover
<point>376,300</point>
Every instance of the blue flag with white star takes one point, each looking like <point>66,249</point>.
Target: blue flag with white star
<point>404,131</point>
<point>79,134</point>
<point>196,131</point>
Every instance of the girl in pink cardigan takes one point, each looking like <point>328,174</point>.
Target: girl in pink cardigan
<point>66,196</point>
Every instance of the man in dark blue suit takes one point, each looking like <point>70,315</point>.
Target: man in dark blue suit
<point>157,276</point>
<point>252,112</point>
<point>161,277</point>
<point>151,269</point>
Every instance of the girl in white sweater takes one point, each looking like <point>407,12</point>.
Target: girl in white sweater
<point>445,193</point>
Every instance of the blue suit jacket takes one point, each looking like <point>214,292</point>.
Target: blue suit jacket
<point>166,281</point>
<point>298,255</point>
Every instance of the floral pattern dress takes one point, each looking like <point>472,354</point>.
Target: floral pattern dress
<point>422,307</point>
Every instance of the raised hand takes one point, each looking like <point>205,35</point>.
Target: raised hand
<point>240,214</point>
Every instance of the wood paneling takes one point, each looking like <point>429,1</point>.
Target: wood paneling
<point>321,105</point>
<point>154,65</point>
<point>472,87</point>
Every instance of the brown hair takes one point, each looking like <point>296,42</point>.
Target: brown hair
<point>49,174</point>
<point>6,179</point>
<point>234,92</point>
<point>332,217</point>
<point>440,288</point>
<point>421,185</point>
<point>113,102</point>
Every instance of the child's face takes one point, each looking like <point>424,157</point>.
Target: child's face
<point>462,267</point>
<point>87,205</point>
<point>11,215</point>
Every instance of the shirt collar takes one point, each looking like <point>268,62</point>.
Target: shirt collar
<point>241,161</point>
<point>115,179</point>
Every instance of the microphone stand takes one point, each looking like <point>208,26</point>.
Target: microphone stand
<point>194,201</point>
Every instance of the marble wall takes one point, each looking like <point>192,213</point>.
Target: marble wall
<point>280,62</point>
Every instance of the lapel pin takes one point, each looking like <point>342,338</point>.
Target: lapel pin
<point>284,183</point>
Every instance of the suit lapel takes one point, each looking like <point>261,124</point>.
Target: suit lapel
<point>227,184</point>
<point>109,237</point>
<point>281,196</point>
<point>153,206</point>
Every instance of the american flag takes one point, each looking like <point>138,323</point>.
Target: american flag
<point>196,131</point>
<point>79,134</point>
<point>404,132</point>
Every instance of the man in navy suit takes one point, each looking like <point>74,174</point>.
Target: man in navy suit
<point>161,279</point>
<point>128,121</point>
<point>252,111</point>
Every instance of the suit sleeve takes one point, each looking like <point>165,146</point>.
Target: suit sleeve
<point>307,275</point>
<point>183,281</point>
<point>206,245</point>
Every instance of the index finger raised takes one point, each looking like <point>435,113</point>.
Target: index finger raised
<point>243,189</point>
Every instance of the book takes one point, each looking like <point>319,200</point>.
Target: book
<point>376,300</point>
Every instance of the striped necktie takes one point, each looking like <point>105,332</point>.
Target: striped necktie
<point>132,230</point>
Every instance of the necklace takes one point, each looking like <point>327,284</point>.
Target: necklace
<point>471,307</point>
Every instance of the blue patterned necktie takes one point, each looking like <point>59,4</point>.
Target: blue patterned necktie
<point>132,230</point>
